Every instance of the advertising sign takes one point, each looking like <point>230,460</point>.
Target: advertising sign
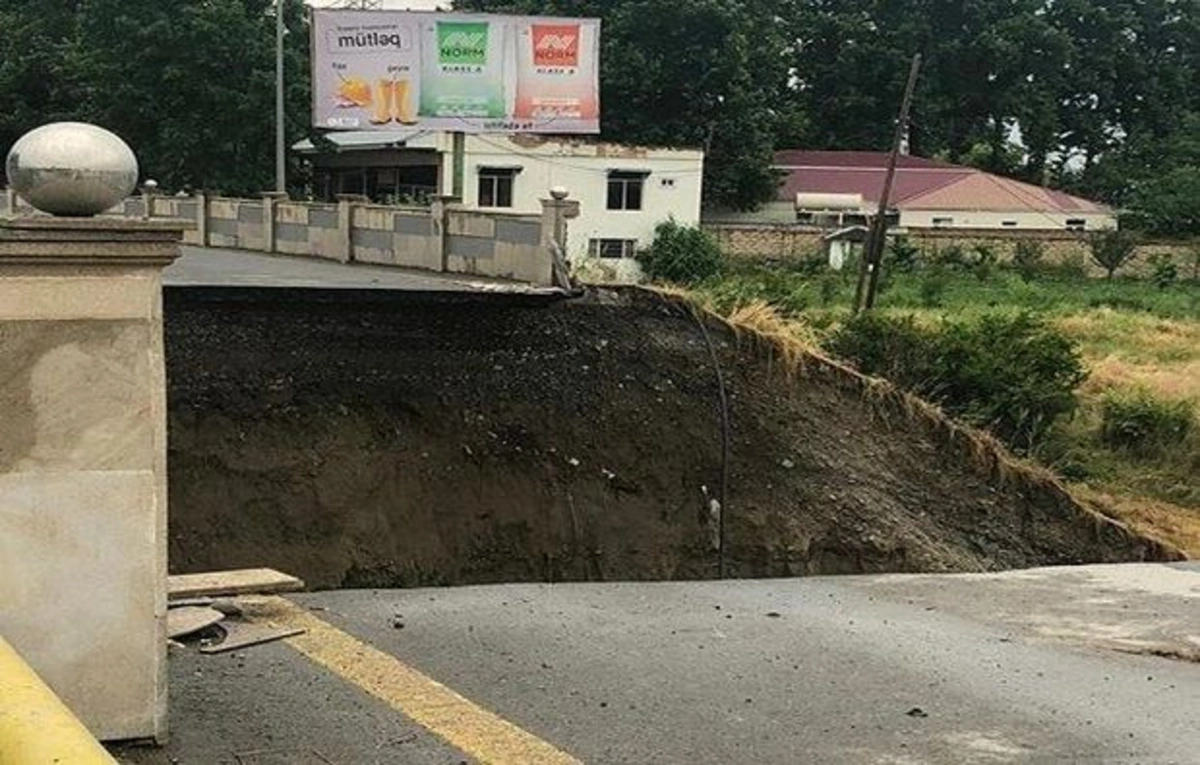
<point>380,70</point>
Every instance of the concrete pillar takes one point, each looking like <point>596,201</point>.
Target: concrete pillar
<point>269,199</point>
<point>83,493</point>
<point>346,204</point>
<point>555,214</point>
<point>202,218</point>
<point>439,208</point>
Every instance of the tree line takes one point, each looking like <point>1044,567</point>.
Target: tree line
<point>1099,97</point>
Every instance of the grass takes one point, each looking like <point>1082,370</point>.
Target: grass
<point>1131,333</point>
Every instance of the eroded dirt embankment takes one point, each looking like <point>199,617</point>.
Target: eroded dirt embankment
<point>392,439</point>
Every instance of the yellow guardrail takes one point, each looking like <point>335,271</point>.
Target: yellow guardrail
<point>36,728</point>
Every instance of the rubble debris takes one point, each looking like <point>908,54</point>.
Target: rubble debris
<point>191,619</point>
<point>245,634</point>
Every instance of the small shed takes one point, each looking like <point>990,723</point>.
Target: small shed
<point>843,244</point>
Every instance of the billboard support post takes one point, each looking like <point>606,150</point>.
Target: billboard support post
<point>459,159</point>
<point>280,161</point>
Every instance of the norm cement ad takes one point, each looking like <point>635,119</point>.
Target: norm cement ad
<point>388,70</point>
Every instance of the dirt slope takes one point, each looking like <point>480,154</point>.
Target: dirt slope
<point>385,439</point>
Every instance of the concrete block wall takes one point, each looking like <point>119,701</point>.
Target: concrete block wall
<point>443,237</point>
<point>496,245</point>
<point>236,223</point>
<point>410,238</point>
<point>308,229</point>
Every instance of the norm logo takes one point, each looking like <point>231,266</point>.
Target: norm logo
<point>555,44</point>
<point>462,42</point>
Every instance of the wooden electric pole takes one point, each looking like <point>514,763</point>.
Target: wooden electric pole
<point>864,299</point>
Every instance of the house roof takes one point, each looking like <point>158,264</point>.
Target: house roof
<point>920,184</point>
<point>848,159</point>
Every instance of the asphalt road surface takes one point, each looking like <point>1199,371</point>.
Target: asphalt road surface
<point>212,267</point>
<point>1089,665</point>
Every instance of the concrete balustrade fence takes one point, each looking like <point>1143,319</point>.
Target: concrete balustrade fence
<point>444,237</point>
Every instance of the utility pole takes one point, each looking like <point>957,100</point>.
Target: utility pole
<point>280,158</point>
<point>864,300</point>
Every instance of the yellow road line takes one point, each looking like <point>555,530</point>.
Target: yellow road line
<point>459,721</point>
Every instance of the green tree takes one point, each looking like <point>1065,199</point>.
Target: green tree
<point>1112,249</point>
<point>189,85</point>
<point>1169,204</point>
<point>33,83</point>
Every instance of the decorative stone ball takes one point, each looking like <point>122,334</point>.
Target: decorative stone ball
<point>71,169</point>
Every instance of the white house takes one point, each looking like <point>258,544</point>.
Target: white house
<point>623,191</point>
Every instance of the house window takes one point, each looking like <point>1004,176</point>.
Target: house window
<point>625,189</point>
<point>1076,224</point>
<point>496,186</point>
<point>941,222</point>
<point>612,248</point>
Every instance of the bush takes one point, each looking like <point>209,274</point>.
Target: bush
<point>830,285</point>
<point>903,255</point>
<point>951,256</point>
<point>1028,258</point>
<point>895,348</point>
<point>681,254</point>
<point>933,287</point>
<point>984,262</point>
<point>1012,374</point>
<point>1073,265</point>
<point>1112,249</point>
<point>1141,423</point>
<point>1163,271</point>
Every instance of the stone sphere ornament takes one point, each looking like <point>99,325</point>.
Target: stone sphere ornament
<point>71,169</point>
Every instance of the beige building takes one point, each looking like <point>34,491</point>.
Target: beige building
<point>623,191</point>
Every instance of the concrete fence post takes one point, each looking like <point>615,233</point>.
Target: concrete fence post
<point>148,192</point>
<point>202,218</point>
<point>555,214</point>
<point>270,198</point>
<point>439,211</point>
<point>10,201</point>
<point>346,205</point>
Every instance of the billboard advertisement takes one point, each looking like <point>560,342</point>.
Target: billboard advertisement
<point>382,70</point>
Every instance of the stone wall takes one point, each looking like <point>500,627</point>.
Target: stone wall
<point>767,240</point>
<point>791,241</point>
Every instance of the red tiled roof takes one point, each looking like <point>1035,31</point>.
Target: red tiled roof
<point>983,191</point>
<point>847,159</point>
<point>909,182</point>
<point>920,184</point>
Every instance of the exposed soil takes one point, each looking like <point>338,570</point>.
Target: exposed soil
<point>360,438</point>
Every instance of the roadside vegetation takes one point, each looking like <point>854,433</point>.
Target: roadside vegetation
<point>1097,379</point>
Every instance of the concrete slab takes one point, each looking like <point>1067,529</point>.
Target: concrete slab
<point>892,669</point>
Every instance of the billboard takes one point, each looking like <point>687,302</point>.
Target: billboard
<point>382,70</point>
